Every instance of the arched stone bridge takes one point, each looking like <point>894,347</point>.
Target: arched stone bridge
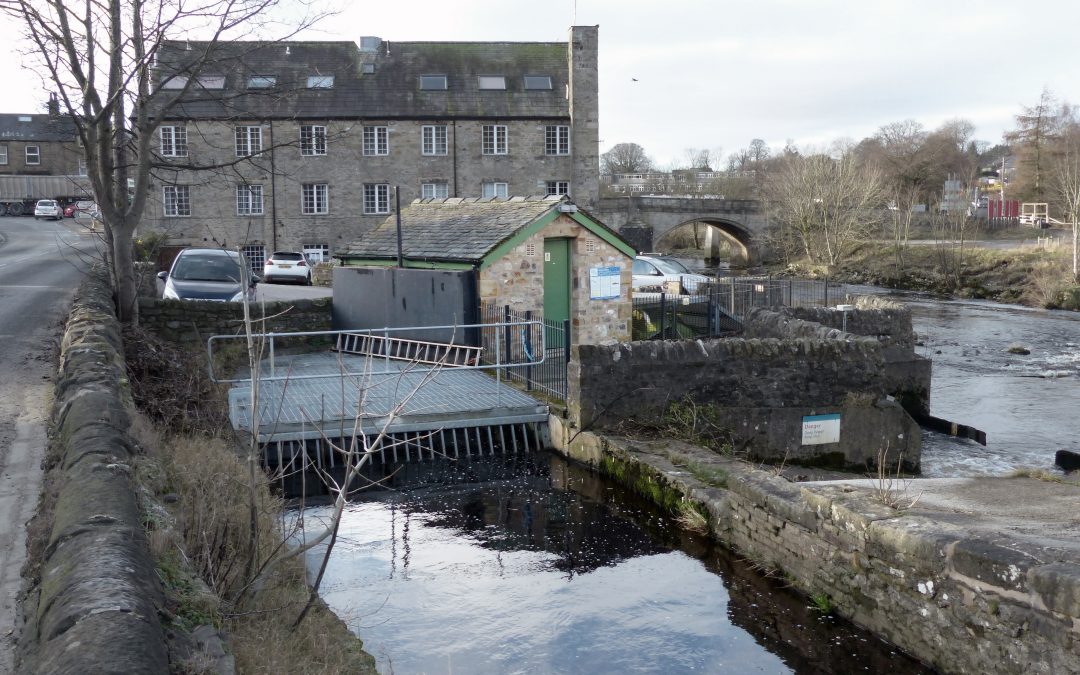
<point>645,221</point>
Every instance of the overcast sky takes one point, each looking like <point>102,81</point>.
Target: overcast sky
<point>715,74</point>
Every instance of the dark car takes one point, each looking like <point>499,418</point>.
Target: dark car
<point>209,274</point>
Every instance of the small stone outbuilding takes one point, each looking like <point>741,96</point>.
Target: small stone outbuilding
<point>540,254</point>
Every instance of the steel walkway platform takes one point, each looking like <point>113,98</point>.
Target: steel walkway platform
<point>448,411</point>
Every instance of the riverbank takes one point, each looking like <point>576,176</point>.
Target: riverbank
<point>1032,274</point>
<point>992,564</point>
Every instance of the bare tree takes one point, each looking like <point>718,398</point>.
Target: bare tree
<point>100,55</point>
<point>827,202</point>
<point>1037,127</point>
<point>1065,182</point>
<point>625,158</point>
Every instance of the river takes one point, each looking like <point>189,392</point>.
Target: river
<point>1028,405</point>
<point>534,565</point>
<point>531,564</point>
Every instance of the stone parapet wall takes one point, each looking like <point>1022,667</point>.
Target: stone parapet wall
<point>640,379</point>
<point>95,606</point>
<point>951,595</point>
<point>192,321</point>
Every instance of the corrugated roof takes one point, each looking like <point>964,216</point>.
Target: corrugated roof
<point>18,127</point>
<point>450,230</point>
<point>392,90</point>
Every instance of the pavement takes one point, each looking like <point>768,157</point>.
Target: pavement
<point>1043,514</point>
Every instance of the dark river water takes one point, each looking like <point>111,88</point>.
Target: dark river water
<point>531,564</point>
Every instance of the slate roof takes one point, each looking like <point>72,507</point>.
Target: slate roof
<point>43,127</point>
<point>451,230</point>
<point>391,91</point>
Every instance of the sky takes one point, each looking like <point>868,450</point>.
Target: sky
<point>715,74</point>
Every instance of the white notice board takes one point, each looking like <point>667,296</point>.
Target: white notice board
<point>820,429</point>
<point>604,283</point>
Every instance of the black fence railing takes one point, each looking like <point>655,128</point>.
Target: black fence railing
<point>717,308</point>
<point>523,344</point>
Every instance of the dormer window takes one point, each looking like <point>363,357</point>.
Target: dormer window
<point>433,82</point>
<point>537,82</point>
<point>491,82</point>
<point>320,82</point>
<point>367,68</point>
<point>175,82</point>
<point>262,81</point>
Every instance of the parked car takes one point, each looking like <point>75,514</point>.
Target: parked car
<point>208,274</point>
<point>287,265</point>
<point>47,208</point>
<point>653,272</point>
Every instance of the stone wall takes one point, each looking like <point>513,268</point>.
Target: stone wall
<point>759,388</point>
<point>950,595</point>
<point>517,279</point>
<point>906,375</point>
<point>192,322</point>
<point>96,604</point>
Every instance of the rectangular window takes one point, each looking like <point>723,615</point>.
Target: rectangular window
<point>557,187</point>
<point>433,82</point>
<point>491,82</point>
<point>433,139</point>
<point>176,200</point>
<point>494,139</point>
<point>376,198</point>
<point>556,140</point>
<point>312,140</point>
<point>320,82</point>
<point>248,141</point>
<point>175,82</point>
<point>81,169</point>
<point>249,200</point>
<point>434,191</point>
<point>211,81</point>
<point>255,254</point>
<point>494,190</point>
<point>315,199</point>
<point>537,82</point>
<point>33,154</point>
<point>317,253</point>
<point>173,141</point>
<point>375,141</point>
<point>3,154</point>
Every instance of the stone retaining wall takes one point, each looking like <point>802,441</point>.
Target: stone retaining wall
<point>192,322</point>
<point>945,595</point>
<point>95,607</point>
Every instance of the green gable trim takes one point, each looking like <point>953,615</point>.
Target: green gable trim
<point>540,223</point>
<point>519,237</point>
<point>607,235</point>
<point>409,264</point>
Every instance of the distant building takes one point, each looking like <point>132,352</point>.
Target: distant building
<point>309,139</point>
<point>40,145</point>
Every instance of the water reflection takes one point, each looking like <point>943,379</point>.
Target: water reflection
<point>531,564</point>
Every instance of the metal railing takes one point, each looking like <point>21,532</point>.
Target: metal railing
<point>496,356</point>
<point>522,335</point>
<point>718,307</point>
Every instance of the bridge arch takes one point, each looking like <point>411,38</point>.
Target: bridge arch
<point>718,231</point>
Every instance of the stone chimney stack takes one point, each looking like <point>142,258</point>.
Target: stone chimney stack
<point>54,106</point>
<point>584,115</point>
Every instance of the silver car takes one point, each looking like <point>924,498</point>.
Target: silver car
<point>209,274</point>
<point>653,272</point>
<point>48,208</point>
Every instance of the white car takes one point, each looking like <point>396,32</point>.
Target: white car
<point>653,272</point>
<point>48,208</point>
<point>287,265</point>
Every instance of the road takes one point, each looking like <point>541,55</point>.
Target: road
<point>41,263</point>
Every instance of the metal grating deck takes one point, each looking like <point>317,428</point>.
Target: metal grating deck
<point>359,394</point>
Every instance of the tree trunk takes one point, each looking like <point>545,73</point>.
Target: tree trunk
<point>127,306</point>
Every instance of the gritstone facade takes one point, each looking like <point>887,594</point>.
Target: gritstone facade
<point>300,145</point>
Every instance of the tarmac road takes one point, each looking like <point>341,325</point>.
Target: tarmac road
<point>41,263</point>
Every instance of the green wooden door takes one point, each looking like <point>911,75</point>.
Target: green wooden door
<point>557,279</point>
